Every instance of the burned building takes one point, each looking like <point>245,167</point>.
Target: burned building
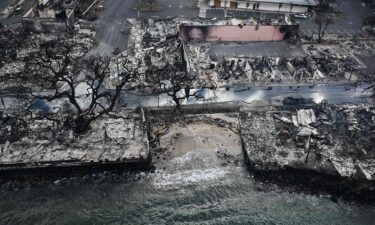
<point>182,41</point>
<point>331,139</point>
<point>290,6</point>
<point>50,16</point>
<point>204,49</point>
<point>33,141</point>
<point>59,15</point>
<point>239,31</point>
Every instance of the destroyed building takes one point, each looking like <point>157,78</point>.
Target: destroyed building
<point>238,30</point>
<point>337,140</point>
<point>59,15</point>
<point>49,16</point>
<point>204,46</point>
<point>161,42</point>
<point>290,6</point>
<point>39,140</point>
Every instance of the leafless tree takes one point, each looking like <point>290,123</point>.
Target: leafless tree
<point>322,21</point>
<point>58,72</point>
<point>178,84</point>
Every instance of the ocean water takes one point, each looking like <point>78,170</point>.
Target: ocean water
<point>193,189</point>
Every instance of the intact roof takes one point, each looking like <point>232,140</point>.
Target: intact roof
<point>294,2</point>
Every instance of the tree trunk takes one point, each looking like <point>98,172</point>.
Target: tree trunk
<point>178,105</point>
<point>81,125</point>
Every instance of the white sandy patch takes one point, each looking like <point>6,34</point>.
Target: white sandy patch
<point>200,136</point>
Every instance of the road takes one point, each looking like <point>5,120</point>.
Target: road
<point>350,23</point>
<point>334,94</point>
<point>111,22</point>
<point>15,18</point>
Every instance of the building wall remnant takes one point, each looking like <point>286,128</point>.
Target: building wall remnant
<point>49,16</point>
<point>238,33</point>
<point>290,6</point>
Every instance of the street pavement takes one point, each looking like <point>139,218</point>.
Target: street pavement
<point>15,18</point>
<point>334,94</point>
<point>354,12</point>
<point>111,22</point>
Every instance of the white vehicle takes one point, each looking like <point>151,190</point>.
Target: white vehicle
<point>301,16</point>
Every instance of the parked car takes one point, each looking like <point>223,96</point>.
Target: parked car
<point>301,16</point>
<point>18,10</point>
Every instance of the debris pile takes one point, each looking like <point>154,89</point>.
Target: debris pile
<point>159,43</point>
<point>317,66</point>
<point>34,141</point>
<point>337,140</point>
<point>335,61</point>
<point>49,16</point>
<point>57,15</point>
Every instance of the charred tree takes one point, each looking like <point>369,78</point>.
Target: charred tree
<point>322,21</point>
<point>85,83</point>
<point>178,84</point>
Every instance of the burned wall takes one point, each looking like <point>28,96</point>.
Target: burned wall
<point>240,33</point>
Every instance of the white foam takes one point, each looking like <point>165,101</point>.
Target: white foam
<point>186,178</point>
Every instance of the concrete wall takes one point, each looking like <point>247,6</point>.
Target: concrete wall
<point>43,25</point>
<point>37,24</point>
<point>263,6</point>
<point>237,33</point>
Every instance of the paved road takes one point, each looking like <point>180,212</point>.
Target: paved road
<point>111,22</point>
<point>350,23</point>
<point>333,93</point>
<point>15,18</point>
<point>4,4</point>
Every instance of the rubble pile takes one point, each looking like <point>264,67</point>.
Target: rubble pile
<point>57,15</point>
<point>29,142</point>
<point>159,43</point>
<point>155,46</point>
<point>361,47</point>
<point>336,61</point>
<point>319,65</point>
<point>336,140</point>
